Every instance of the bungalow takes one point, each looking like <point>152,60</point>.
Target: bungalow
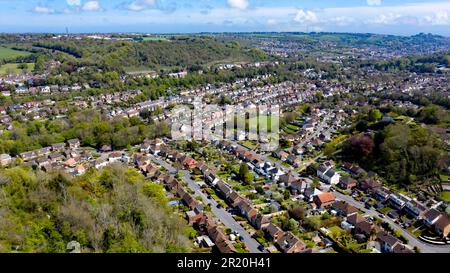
<point>289,243</point>
<point>431,217</point>
<point>347,183</point>
<point>273,232</point>
<point>324,199</point>
<point>343,208</point>
<point>442,226</point>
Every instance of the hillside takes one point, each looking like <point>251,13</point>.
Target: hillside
<point>176,53</point>
<point>111,210</point>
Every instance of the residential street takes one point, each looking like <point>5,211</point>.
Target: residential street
<point>413,241</point>
<point>225,217</point>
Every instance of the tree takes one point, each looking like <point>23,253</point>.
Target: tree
<point>375,115</point>
<point>244,174</point>
<point>358,146</point>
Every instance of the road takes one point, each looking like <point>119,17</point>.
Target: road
<point>412,240</point>
<point>224,216</point>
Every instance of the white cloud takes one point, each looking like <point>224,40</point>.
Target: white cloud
<point>73,2</point>
<point>43,10</point>
<point>238,4</point>
<point>140,5</point>
<point>272,22</point>
<point>92,6</point>
<point>373,2</point>
<point>307,16</point>
<point>439,18</point>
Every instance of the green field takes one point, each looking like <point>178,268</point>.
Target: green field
<point>14,68</point>
<point>7,53</point>
<point>445,195</point>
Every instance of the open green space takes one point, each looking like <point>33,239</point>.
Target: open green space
<point>8,53</point>
<point>13,68</point>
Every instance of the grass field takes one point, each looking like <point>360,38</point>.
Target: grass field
<point>445,195</point>
<point>7,53</point>
<point>13,68</point>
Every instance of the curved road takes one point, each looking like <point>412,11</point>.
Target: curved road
<point>412,240</point>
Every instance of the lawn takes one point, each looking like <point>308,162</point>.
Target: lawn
<point>13,68</point>
<point>8,53</point>
<point>445,195</point>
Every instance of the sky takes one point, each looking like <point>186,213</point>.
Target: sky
<point>407,17</point>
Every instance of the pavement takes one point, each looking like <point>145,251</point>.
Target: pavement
<point>220,213</point>
<point>412,240</point>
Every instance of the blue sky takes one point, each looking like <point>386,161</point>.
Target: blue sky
<point>161,16</point>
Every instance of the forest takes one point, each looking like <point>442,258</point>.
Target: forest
<point>109,210</point>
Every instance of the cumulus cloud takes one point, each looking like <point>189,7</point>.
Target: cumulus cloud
<point>439,18</point>
<point>305,16</point>
<point>73,2</point>
<point>92,6</point>
<point>43,10</point>
<point>238,4</point>
<point>373,2</point>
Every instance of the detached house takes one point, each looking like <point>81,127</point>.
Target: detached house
<point>343,208</point>
<point>324,199</point>
<point>273,232</point>
<point>289,243</point>
<point>347,183</point>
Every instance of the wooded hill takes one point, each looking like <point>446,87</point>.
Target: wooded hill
<point>177,53</point>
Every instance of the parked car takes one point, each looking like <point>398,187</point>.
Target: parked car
<point>381,215</point>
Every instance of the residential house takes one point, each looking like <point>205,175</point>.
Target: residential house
<point>442,226</point>
<point>369,185</point>
<point>324,199</point>
<point>331,177</point>
<point>273,232</point>
<point>224,189</point>
<point>431,217</point>
<point>289,243</point>
<point>57,147</point>
<point>347,183</point>
<point>344,209</point>
<point>415,209</point>
<point>74,143</point>
<point>261,221</point>
<point>391,244</point>
<point>288,178</point>
<point>246,209</point>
